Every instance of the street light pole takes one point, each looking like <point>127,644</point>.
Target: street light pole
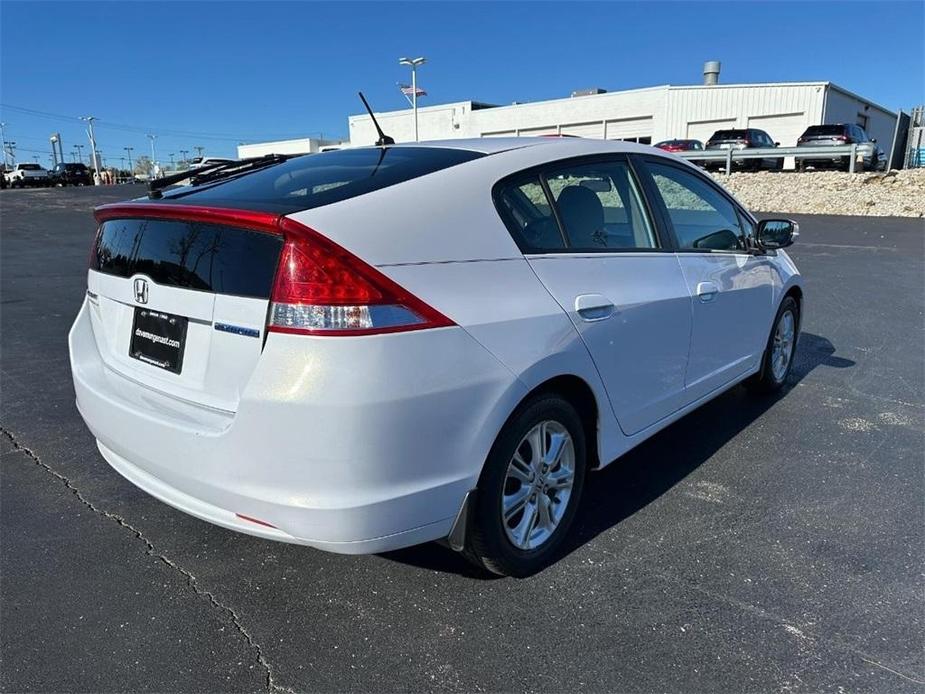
<point>96,163</point>
<point>199,150</point>
<point>153,155</point>
<point>80,156</point>
<point>414,63</point>
<point>185,160</point>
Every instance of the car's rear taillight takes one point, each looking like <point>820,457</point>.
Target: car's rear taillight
<point>841,138</point>
<point>323,289</point>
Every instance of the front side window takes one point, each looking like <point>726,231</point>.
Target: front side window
<point>702,218</point>
<point>600,208</point>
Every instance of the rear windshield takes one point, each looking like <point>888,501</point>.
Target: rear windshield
<point>314,180</point>
<point>730,135</point>
<point>193,255</point>
<point>30,167</point>
<point>75,167</point>
<point>824,130</point>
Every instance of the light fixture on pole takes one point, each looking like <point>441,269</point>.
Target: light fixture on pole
<point>413,63</point>
<point>96,163</point>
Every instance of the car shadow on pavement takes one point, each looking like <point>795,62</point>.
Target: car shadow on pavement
<point>655,466</point>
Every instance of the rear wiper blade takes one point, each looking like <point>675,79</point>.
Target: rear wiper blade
<point>215,172</point>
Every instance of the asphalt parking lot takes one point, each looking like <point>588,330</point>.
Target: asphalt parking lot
<point>756,545</point>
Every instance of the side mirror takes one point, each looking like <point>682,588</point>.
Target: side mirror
<point>777,233</point>
<point>873,139</point>
<point>777,144</point>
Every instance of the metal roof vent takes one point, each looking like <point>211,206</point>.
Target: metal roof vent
<point>711,72</point>
<point>588,92</point>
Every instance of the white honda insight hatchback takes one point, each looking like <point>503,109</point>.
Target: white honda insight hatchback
<point>371,348</point>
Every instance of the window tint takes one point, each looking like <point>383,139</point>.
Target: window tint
<point>526,212</point>
<point>729,135</point>
<point>827,130</point>
<point>192,255</point>
<point>703,219</point>
<point>599,207</point>
<point>314,180</point>
<point>30,167</point>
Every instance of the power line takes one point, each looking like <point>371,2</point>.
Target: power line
<point>143,130</point>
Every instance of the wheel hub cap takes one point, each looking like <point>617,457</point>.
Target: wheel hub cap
<point>782,349</point>
<point>538,485</point>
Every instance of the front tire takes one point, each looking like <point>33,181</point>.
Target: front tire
<point>777,361</point>
<point>530,488</point>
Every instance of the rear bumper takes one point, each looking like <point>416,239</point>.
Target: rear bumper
<point>352,445</point>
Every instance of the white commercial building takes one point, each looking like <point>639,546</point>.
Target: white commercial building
<point>784,110</point>
<point>305,145</point>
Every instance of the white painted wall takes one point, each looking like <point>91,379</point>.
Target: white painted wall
<point>306,145</point>
<point>784,110</point>
<point>843,107</point>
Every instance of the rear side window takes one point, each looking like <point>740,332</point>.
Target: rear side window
<point>526,211</point>
<point>314,180</point>
<point>193,255</point>
<point>702,218</point>
<point>593,207</point>
<point>600,208</point>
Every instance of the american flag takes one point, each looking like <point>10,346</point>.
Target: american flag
<point>408,90</point>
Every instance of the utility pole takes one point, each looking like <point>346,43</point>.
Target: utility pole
<point>414,63</point>
<point>11,146</point>
<point>199,150</point>
<point>129,152</point>
<point>3,143</point>
<point>80,156</point>
<point>171,161</point>
<point>153,155</point>
<point>74,154</point>
<point>96,163</point>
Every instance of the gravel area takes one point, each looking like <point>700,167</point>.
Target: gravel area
<point>891,194</point>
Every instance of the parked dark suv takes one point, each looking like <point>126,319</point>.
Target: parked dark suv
<point>744,138</point>
<point>74,174</point>
<point>838,134</point>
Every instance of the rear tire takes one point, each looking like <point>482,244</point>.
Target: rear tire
<point>777,361</point>
<point>529,489</point>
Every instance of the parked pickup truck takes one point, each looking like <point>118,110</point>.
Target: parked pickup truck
<point>27,175</point>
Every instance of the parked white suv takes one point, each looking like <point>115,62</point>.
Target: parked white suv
<point>27,174</point>
<point>376,347</point>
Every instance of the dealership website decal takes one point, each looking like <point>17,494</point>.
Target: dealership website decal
<point>157,339</point>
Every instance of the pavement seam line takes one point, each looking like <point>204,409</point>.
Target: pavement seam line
<point>151,550</point>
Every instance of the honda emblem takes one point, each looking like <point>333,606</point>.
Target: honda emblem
<point>141,290</point>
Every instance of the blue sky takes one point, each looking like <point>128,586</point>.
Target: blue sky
<point>217,73</point>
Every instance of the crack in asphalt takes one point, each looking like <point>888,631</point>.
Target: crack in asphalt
<point>151,550</point>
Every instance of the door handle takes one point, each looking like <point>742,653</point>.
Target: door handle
<point>707,291</point>
<point>593,307</point>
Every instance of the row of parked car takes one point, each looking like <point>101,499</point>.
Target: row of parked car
<point>29,174</point>
<point>814,136</point>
